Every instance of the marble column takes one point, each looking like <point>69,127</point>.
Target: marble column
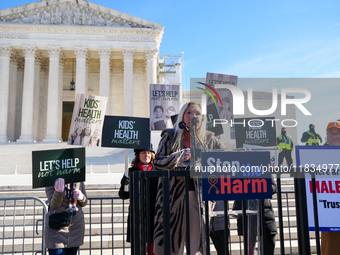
<point>43,98</point>
<point>5,54</point>
<point>60,94</point>
<point>87,63</point>
<point>110,107</point>
<point>104,80</point>
<point>19,91</point>
<point>81,53</point>
<point>151,58</point>
<point>128,80</point>
<point>36,98</point>
<point>12,98</point>
<point>28,95</point>
<point>53,95</point>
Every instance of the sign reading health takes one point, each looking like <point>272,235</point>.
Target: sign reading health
<point>87,120</point>
<point>235,175</point>
<point>126,132</point>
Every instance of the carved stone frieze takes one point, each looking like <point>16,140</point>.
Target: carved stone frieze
<point>69,14</point>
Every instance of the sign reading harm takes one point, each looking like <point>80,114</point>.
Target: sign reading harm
<point>235,175</point>
<point>50,165</point>
<point>126,132</point>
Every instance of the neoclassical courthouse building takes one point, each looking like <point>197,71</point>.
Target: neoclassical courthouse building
<point>46,45</point>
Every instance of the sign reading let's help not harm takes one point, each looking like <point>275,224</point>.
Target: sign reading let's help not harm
<point>49,165</point>
<point>126,132</point>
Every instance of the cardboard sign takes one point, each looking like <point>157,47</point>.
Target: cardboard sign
<point>87,120</point>
<point>235,175</point>
<point>126,132</point>
<point>255,131</point>
<point>164,103</point>
<point>225,110</point>
<point>49,165</point>
<point>325,161</point>
<point>211,115</point>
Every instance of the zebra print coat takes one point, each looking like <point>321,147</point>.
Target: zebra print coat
<point>166,159</point>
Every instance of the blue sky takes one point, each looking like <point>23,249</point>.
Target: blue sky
<point>250,39</point>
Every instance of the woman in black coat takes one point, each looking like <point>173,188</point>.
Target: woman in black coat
<point>143,161</point>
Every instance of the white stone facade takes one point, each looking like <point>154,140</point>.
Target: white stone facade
<point>44,44</point>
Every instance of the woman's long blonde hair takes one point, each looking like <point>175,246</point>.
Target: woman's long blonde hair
<point>179,133</point>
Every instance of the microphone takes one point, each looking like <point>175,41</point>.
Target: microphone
<point>194,122</point>
<point>182,125</point>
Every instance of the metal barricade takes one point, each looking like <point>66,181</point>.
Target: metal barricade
<point>104,222</point>
<point>139,202</point>
<point>21,230</point>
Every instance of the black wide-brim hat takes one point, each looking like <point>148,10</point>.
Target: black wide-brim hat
<point>140,150</point>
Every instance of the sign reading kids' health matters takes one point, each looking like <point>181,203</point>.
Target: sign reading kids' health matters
<point>164,103</point>
<point>87,120</point>
<point>49,165</point>
<point>126,132</point>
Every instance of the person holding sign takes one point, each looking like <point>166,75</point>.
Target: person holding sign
<point>65,198</point>
<point>286,145</point>
<point>330,240</point>
<point>143,161</point>
<point>173,146</point>
<point>310,137</point>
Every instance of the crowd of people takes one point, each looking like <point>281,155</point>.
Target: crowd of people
<point>172,150</point>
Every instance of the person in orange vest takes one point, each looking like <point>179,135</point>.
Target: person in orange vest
<point>330,240</point>
<point>286,145</point>
<point>310,137</point>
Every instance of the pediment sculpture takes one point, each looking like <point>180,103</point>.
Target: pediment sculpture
<point>68,14</point>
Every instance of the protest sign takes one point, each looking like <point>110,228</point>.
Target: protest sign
<point>235,175</point>
<point>126,132</point>
<point>225,110</point>
<point>325,163</point>
<point>255,131</point>
<point>164,103</point>
<point>87,120</point>
<point>211,115</point>
<point>49,165</point>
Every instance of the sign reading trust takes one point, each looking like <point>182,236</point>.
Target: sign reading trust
<point>235,175</point>
<point>50,165</point>
<point>126,132</point>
